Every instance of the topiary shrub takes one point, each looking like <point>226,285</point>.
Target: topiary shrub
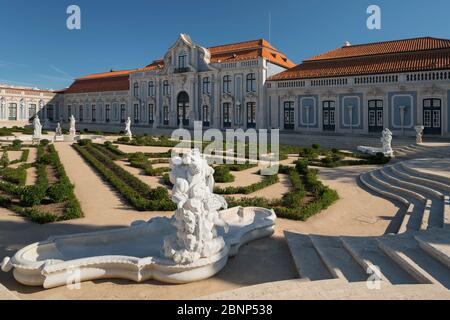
<point>17,144</point>
<point>316,146</point>
<point>60,192</point>
<point>44,142</point>
<point>4,160</point>
<point>222,175</point>
<point>84,142</point>
<point>32,195</point>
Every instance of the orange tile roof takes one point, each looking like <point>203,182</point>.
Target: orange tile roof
<point>106,74</point>
<point>387,47</point>
<point>118,80</point>
<point>249,50</point>
<point>411,55</point>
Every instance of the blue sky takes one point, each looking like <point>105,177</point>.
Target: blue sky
<point>37,49</point>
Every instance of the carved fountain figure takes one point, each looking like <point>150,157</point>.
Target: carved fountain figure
<point>197,211</point>
<point>193,245</point>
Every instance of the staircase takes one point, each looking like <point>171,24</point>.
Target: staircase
<point>418,151</point>
<point>412,264</point>
<point>425,196</point>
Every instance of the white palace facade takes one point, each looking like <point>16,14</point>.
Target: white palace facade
<point>355,89</point>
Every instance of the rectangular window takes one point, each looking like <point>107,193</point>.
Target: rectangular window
<point>32,112</point>
<point>123,113</point>
<point>116,111</point>
<point>151,115</point>
<point>251,114</point>
<point>251,82</point>
<point>151,89</point>
<point>205,116</point>
<point>12,111</point>
<point>50,112</point>
<point>69,112</point>
<point>94,113</point>
<point>166,115</point>
<point>136,113</point>
<point>182,61</point>
<point>108,113</point>
<point>227,114</point>
<point>80,113</point>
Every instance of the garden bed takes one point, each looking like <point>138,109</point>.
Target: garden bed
<point>52,196</point>
<point>138,194</point>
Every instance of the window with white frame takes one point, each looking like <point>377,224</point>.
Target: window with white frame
<point>94,113</point>
<point>151,89</point>
<point>166,88</point>
<point>227,84</point>
<point>136,113</point>
<point>206,85</point>
<point>151,113</point>
<point>108,113</point>
<point>182,61</point>
<point>80,113</point>
<point>251,82</point>
<point>123,113</point>
<point>136,89</point>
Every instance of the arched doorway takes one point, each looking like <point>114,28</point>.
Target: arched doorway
<point>183,108</point>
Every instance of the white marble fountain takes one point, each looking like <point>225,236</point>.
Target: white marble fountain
<point>193,245</point>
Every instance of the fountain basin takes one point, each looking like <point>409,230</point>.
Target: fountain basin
<point>132,253</point>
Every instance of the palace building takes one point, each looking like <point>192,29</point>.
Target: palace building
<point>361,89</point>
<point>355,89</point>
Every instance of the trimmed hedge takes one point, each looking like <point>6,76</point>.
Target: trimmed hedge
<point>222,174</point>
<point>291,206</point>
<point>17,176</point>
<point>31,197</point>
<point>134,191</point>
<point>266,182</point>
<point>4,160</point>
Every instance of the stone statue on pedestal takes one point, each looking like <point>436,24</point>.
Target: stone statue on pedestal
<point>72,130</point>
<point>37,133</point>
<point>128,128</point>
<point>198,211</point>
<point>58,130</point>
<point>419,134</point>
<point>386,140</point>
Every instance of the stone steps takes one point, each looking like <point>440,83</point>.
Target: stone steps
<point>436,244</point>
<point>407,253</point>
<point>366,252</point>
<point>307,261</point>
<point>372,185</point>
<point>415,265</point>
<point>407,167</point>
<point>427,201</point>
<point>331,290</point>
<point>412,195</point>
<point>338,261</point>
<point>400,172</point>
<point>391,175</point>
